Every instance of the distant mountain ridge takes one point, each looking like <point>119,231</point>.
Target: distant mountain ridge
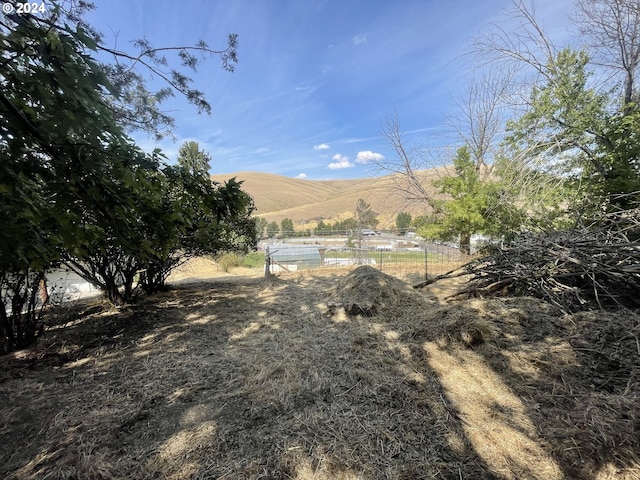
<point>308,201</point>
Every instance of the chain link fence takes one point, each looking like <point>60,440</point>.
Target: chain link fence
<point>412,264</point>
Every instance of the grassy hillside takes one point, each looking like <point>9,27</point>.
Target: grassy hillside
<point>308,201</point>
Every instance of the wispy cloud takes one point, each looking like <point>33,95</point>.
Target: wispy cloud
<point>260,150</point>
<point>369,156</point>
<point>322,146</point>
<point>359,39</point>
<point>356,140</point>
<point>340,162</point>
<point>301,175</point>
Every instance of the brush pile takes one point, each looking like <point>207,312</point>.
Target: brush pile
<point>576,270</point>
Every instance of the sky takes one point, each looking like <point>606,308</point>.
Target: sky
<point>316,79</point>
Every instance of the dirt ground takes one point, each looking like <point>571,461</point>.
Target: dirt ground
<point>345,375</point>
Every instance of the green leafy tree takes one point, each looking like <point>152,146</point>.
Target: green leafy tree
<point>194,160</point>
<point>286,227</point>
<point>273,229</point>
<point>322,228</point>
<point>71,180</point>
<point>206,219</point>
<point>346,226</point>
<point>468,208</point>
<point>577,137</point>
<point>572,133</point>
<point>403,222</point>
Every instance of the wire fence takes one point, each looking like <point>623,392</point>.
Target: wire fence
<point>413,264</point>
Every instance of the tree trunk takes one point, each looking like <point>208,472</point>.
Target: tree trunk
<point>113,292</point>
<point>465,244</point>
<point>7,337</point>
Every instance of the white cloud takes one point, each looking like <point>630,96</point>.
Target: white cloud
<point>301,175</point>
<point>369,156</point>
<point>326,69</point>
<point>359,39</point>
<point>322,146</point>
<point>340,162</point>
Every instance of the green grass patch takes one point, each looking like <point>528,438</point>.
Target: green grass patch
<point>253,260</point>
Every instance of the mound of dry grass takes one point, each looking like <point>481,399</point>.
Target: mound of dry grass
<point>367,291</point>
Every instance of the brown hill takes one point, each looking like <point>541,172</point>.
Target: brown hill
<point>308,201</point>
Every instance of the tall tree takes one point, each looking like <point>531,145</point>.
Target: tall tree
<point>408,170</point>
<point>477,121</point>
<point>365,218</point>
<point>194,160</point>
<point>403,222</point>
<point>467,208</point>
<point>286,227</point>
<point>611,30</point>
<point>70,178</point>
<point>273,229</point>
<point>571,127</point>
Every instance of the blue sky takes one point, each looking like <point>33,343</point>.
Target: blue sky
<point>315,78</point>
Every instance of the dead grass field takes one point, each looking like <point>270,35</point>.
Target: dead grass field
<point>342,375</point>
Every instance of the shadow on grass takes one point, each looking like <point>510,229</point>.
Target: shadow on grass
<point>568,383</point>
<point>245,379</point>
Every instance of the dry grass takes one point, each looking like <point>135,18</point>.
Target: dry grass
<point>235,379</point>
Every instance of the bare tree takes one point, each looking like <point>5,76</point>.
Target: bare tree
<point>478,122</point>
<point>611,29</point>
<point>407,169</point>
<point>479,117</point>
<point>365,218</point>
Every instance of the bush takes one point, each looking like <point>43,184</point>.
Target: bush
<point>227,260</point>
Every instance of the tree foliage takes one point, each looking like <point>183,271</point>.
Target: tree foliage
<point>403,222</point>
<point>286,227</point>
<point>348,226</point>
<point>74,187</point>
<point>273,229</point>
<point>577,129</point>
<point>468,206</point>
<point>194,160</point>
<point>556,130</point>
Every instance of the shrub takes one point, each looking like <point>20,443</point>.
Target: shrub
<point>227,260</point>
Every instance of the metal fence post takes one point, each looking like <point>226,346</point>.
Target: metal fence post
<point>426,264</point>
<point>267,263</point>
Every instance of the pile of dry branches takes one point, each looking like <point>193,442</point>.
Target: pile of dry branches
<point>594,266</point>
